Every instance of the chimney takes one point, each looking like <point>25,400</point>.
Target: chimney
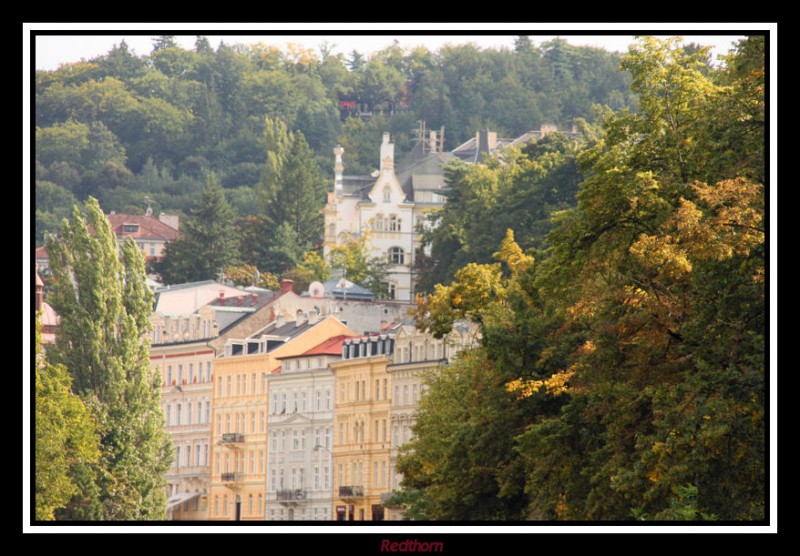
<point>338,168</point>
<point>387,153</point>
<point>239,301</point>
<point>171,220</point>
<point>300,319</point>
<point>287,285</point>
<point>432,141</point>
<point>279,320</point>
<point>222,297</point>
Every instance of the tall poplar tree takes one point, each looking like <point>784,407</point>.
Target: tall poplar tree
<point>65,435</point>
<point>99,290</point>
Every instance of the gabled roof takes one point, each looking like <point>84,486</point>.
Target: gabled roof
<point>422,170</point>
<point>41,252</point>
<point>150,228</point>
<point>331,346</point>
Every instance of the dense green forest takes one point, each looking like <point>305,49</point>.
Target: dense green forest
<point>621,371</point>
<point>130,129</point>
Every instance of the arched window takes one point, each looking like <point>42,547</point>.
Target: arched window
<point>387,194</point>
<point>397,255</point>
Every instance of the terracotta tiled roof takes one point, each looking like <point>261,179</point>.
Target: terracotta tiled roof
<point>41,252</point>
<point>331,346</point>
<point>150,228</point>
<point>49,317</point>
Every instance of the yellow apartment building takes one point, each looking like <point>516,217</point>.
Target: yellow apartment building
<point>362,443</point>
<point>182,325</point>
<point>240,408</point>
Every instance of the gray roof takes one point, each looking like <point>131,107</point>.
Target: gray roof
<point>333,288</point>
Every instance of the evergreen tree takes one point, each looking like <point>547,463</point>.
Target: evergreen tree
<point>210,241</point>
<point>99,289</point>
<point>291,190</point>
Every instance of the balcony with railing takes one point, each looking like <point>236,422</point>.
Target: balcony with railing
<point>232,438</point>
<point>231,477</point>
<point>351,491</point>
<point>291,497</point>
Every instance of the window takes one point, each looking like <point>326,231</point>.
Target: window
<point>191,372</point>
<point>263,383</point>
<point>208,371</point>
<point>216,506</point>
<point>208,412</point>
<point>318,398</point>
<point>188,456</point>
<point>169,375</point>
<point>219,389</point>
<point>252,464</point>
<point>377,389</point>
<point>177,456</point>
<point>263,421</point>
<point>392,290</point>
<point>169,408</point>
<point>180,374</point>
<point>387,194</point>
<point>250,504</point>
<point>230,384</point>
<point>178,415</point>
<point>130,228</point>
<point>189,414</point>
<point>394,223</point>
<point>225,506</point>
<point>252,421</point>
<point>254,384</point>
<point>260,463</point>
<point>327,398</point>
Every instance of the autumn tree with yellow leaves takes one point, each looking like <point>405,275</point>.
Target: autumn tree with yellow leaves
<point>626,364</point>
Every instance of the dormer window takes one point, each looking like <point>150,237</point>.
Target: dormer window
<point>130,228</point>
<point>387,194</point>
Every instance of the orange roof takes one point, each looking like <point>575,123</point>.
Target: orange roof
<point>331,346</point>
<point>41,252</point>
<point>150,228</point>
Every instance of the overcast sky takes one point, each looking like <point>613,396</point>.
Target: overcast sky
<point>53,50</point>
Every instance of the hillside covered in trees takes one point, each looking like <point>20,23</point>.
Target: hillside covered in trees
<point>130,129</point>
